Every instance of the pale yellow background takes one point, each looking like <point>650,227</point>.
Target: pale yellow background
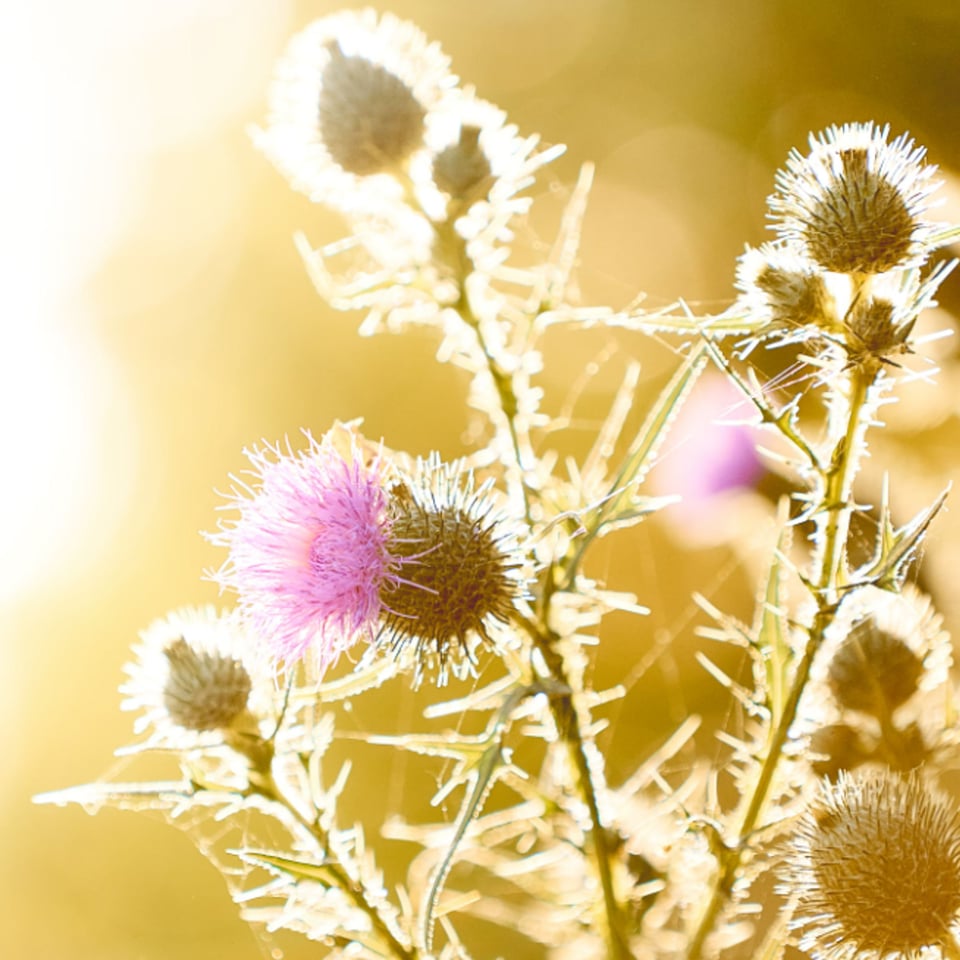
<point>156,318</point>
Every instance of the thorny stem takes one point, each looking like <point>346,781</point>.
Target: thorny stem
<point>836,508</point>
<point>562,705</point>
<point>263,782</point>
<point>568,727</point>
<point>454,251</point>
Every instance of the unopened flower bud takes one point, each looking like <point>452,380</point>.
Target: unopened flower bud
<point>194,672</point>
<point>370,120</point>
<point>873,670</point>
<point>875,330</point>
<point>462,167</point>
<point>784,288</point>
<point>204,690</point>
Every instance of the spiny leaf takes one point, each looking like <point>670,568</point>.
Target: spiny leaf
<point>563,256</point>
<point>124,796</point>
<point>480,776</point>
<point>464,749</point>
<point>283,865</point>
<point>772,641</point>
<point>481,780</point>
<point>897,547</point>
<point>659,321</point>
<point>622,504</point>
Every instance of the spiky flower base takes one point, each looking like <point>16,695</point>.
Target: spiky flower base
<point>457,571</point>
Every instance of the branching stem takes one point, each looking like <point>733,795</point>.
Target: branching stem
<point>263,782</point>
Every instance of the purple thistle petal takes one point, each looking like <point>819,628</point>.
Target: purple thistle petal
<point>308,554</point>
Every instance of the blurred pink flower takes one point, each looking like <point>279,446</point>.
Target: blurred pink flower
<point>308,554</point>
<point>711,448</point>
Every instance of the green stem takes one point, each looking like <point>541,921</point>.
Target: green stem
<point>453,251</point>
<point>835,510</point>
<point>568,727</point>
<point>838,488</point>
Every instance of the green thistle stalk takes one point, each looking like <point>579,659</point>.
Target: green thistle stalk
<point>452,250</point>
<point>833,513</point>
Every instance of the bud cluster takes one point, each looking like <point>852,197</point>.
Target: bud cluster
<point>366,117</point>
<point>853,239</point>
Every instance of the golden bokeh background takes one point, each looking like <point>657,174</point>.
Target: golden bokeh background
<point>157,319</point>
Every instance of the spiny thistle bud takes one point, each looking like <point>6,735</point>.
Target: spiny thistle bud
<point>856,203</point>
<point>370,120</point>
<point>462,167</point>
<point>875,329</point>
<point>784,288</point>
<point>204,690</point>
<point>873,670</point>
<point>875,868</point>
<point>457,569</point>
<point>193,674</point>
<point>350,101</point>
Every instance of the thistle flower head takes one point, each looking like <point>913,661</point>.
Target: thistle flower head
<point>309,552</point>
<point>458,569</point>
<point>878,687</point>
<point>349,103</point>
<point>856,204</point>
<point>875,868</point>
<point>194,673</point>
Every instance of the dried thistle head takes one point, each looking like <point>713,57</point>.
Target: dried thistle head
<point>856,204</point>
<point>457,569</point>
<point>875,869</point>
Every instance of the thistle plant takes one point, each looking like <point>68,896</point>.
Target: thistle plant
<point>815,819</point>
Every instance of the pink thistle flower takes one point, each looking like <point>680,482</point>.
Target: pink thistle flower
<point>308,554</point>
